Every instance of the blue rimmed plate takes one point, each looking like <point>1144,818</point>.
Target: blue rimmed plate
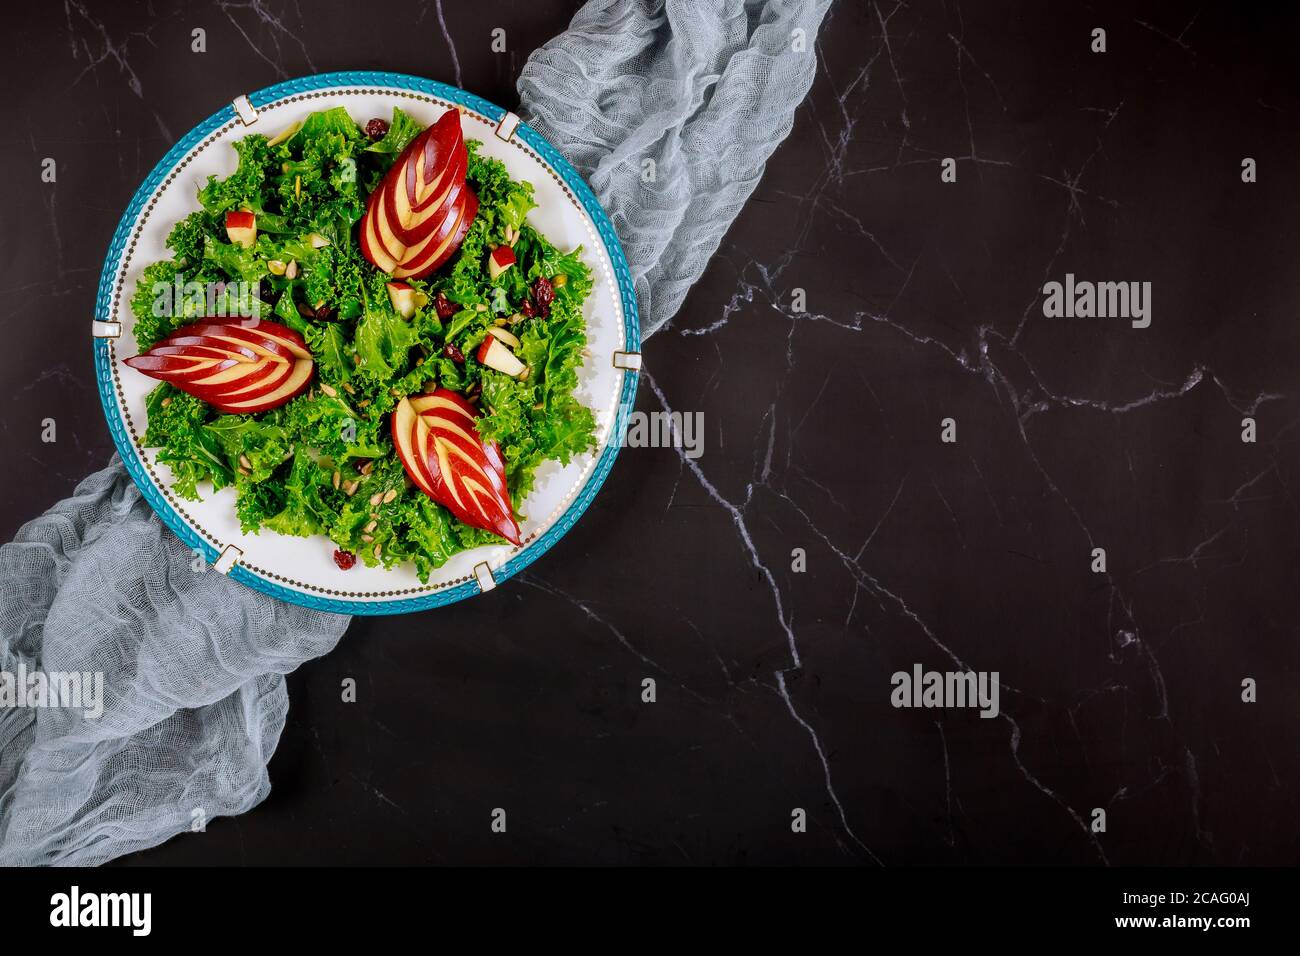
<point>301,570</point>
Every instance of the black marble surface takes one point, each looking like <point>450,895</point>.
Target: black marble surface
<point>1120,691</point>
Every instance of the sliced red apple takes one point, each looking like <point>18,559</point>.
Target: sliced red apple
<point>494,354</point>
<point>435,240</point>
<point>407,429</point>
<point>403,298</point>
<point>421,269</point>
<point>264,385</point>
<point>217,350</point>
<point>233,367</point>
<point>372,246</point>
<point>442,451</point>
<point>419,213</point>
<point>410,221</point>
<point>241,228</point>
<point>175,368</point>
<point>431,248</point>
<point>499,260</point>
<point>239,380</point>
<point>295,383</point>
<point>264,336</point>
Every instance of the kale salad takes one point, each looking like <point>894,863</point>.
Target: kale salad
<point>309,235</point>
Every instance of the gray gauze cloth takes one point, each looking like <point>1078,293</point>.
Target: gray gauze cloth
<point>671,110</point>
<point>193,696</point>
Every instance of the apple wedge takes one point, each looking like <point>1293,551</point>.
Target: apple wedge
<point>495,354</point>
<point>241,228</point>
<point>499,260</point>
<point>421,268</point>
<point>262,337</point>
<point>439,445</point>
<point>176,368</point>
<point>402,296</point>
<point>294,384</point>
<point>410,438</point>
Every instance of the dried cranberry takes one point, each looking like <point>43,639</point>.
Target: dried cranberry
<point>544,293</point>
<point>344,559</point>
<point>377,129</point>
<point>527,309</point>
<point>453,353</point>
<point>444,306</point>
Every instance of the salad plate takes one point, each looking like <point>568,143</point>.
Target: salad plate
<point>542,362</point>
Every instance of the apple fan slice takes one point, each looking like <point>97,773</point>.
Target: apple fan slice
<point>437,440</point>
<point>419,213</point>
<point>234,367</point>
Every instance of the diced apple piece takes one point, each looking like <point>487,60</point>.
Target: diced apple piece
<point>403,298</point>
<point>494,354</point>
<point>499,260</point>
<point>241,228</point>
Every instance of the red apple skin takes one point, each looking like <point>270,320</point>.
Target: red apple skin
<point>504,256</point>
<point>372,248</point>
<point>269,335</point>
<point>424,223</point>
<point>418,270</point>
<point>237,346</point>
<point>425,217</point>
<point>442,146</point>
<point>376,223</point>
<point>263,377</point>
<point>433,240</point>
<point>296,383</point>
<point>443,162</point>
<point>216,351</point>
<point>458,165</point>
<point>433,408</point>
<point>404,424</point>
<point>172,368</point>
<point>432,230</point>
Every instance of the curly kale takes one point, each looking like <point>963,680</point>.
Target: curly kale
<point>324,463</point>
